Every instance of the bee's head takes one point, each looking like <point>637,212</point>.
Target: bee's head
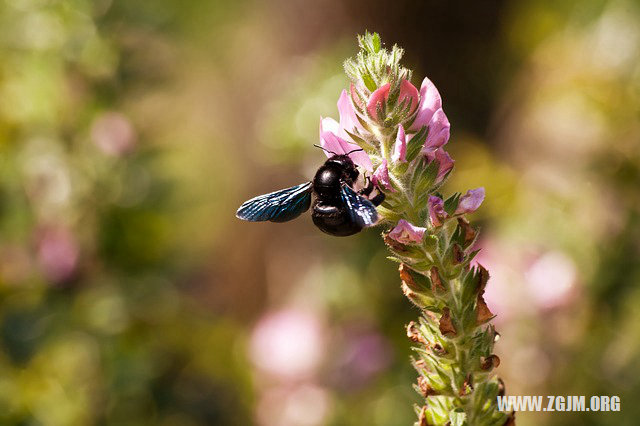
<point>345,163</point>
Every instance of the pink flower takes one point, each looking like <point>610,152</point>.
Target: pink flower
<point>407,233</point>
<point>399,154</point>
<point>365,354</point>
<point>348,118</point>
<point>445,162</point>
<point>58,253</point>
<point>408,94</point>
<point>293,404</point>
<point>439,131</point>
<point>430,102</point>
<point>381,177</point>
<point>436,210</point>
<point>551,280</point>
<point>288,343</point>
<point>377,99</point>
<point>470,201</point>
<point>113,133</point>
<point>334,144</point>
<point>431,115</point>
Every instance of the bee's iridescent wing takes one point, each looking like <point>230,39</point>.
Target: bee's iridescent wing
<point>278,206</point>
<point>361,210</point>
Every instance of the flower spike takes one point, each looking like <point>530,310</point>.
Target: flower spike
<point>404,132</point>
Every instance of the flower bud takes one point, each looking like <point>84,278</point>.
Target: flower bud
<point>422,420</point>
<point>425,388</point>
<point>468,233</point>
<point>446,324</point>
<point>489,363</point>
<point>483,313</point>
<point>413,333</point>
<point>467,386</point>
<point>436,281</point>
<point>412,279</point>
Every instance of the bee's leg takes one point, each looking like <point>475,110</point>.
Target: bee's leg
<point>377,199</point>
<point>367,189</point>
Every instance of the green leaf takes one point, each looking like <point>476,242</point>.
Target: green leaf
<point>368,81</point>
<point>451,203</point>
<point>360,141</point>
<point>376,42</point>
<point>415,144</point>
<point>472,255</point>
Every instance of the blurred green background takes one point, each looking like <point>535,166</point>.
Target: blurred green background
<point>131,131</point>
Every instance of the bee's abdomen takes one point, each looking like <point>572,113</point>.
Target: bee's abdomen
<point>333,220</point>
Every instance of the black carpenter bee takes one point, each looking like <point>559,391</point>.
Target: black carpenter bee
<point>338,209</point>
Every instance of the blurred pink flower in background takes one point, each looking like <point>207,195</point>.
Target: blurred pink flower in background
<point>288,343</point>
<point>519,287</point>
<point>47,177</point>
<point>504,294</point>
<point>57,252</point>
<point>364,355</point>
<point>551,280</point>
<point>298,405</point>
<point>113,133</point>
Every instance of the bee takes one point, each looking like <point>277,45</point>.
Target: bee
<point>338,208</point>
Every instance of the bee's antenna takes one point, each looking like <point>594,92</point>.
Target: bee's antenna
<point>324,149</point>
<point>355,150</point>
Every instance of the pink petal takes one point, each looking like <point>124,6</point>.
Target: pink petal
<point>381,177</point>
<point>329,129</point>
<point>288,343</point>
<point>430,102</point>
<point>331,143</point>
<point>378,97</point>
<point>400,147</point>
<point>470,201</point>
<point>360,158</point>
<point>113,133</point>
<point>58,253</point>
<point>445,162</point>
<point>439,129</point>
<point>328,124</point>
<point>348,119</point>
<point>407,233</point>
<point>409,93</point>
<point>436,210</point>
